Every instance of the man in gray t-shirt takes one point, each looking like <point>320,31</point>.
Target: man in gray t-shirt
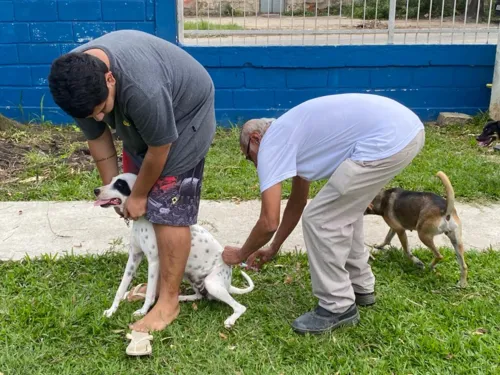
<point>160,102</point>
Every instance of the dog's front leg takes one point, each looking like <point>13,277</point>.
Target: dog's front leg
<point>153,274</point>
<point>404,242</point>
<point>388,239</point>
<point>133,262</point>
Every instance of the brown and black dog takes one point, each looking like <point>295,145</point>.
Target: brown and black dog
<point>428,214</point>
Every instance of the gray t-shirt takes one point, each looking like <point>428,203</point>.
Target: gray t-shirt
<point>163,95</point>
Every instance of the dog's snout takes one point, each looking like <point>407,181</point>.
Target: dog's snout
<point>97,191</point>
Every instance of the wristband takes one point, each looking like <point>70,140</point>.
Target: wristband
<point>109,157</point>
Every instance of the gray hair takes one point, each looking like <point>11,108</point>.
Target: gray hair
<point>259,125</point>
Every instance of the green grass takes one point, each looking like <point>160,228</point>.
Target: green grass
<point>205,25</point>
<point>474,171</point>
<point>51,322</point>
<point>379,9</point>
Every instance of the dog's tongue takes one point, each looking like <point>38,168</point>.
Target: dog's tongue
<point>101,202</point>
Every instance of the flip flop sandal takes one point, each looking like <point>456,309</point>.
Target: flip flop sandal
<point>140,344</point>
<point>135,293</point>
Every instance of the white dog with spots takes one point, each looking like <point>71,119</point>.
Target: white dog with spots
<point>205,270</point>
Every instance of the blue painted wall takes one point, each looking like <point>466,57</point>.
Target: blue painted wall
<point>257,81</point>
<point>249,81</point>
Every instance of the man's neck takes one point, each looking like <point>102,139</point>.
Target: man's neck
<point>100,54</point>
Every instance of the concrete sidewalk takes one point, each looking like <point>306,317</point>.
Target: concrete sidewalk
<point>37,228</point>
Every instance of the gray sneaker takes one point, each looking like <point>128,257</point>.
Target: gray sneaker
<point>321,320</point>
<point>365,299</point>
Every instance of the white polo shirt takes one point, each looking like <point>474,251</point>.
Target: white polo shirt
<point>312,139</point>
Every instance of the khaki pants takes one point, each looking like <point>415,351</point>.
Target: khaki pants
<point>333,227</point>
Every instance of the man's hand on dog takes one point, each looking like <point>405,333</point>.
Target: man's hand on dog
<point>260,257</point>
<point>232,256</point>
<point>135,207</point>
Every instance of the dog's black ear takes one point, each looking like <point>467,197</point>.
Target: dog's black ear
<point>122,187</point>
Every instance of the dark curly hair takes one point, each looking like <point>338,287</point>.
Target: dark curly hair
<point>77,83</point>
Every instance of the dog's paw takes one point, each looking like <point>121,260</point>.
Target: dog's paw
<point>108,313</point>
<point>139,312</point>
<point>433,267</point>
<point>463,284</point>
<point>418,263</point>
<point>229,323</point>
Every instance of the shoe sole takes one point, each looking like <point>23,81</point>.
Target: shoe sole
<point>346,322</point>
<point>365,301</point>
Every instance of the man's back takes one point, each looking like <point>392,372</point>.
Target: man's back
<point>316,136</point>
<point>151,63</point>
<point>158,77</point>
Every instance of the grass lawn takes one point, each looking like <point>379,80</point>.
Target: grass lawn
<point>62,171</point>
<point>51,322</point>
<point>205,25</point>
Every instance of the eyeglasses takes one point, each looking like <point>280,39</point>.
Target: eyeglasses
<point>248,150</point>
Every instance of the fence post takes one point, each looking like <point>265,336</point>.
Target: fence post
<point>392,21</point>
<point>494,110</point>
<point>166,20</point>
<point>180,21</point>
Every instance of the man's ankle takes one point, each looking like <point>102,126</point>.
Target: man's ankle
<point>168,298</point>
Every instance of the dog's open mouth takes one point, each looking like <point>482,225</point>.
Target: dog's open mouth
<point>108,202</point>
<point>485,142</point>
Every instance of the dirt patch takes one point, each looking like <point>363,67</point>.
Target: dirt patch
<point>48,143</point>
<point>6,123</point>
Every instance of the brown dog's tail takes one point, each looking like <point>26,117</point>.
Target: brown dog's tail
<point>450,193</point>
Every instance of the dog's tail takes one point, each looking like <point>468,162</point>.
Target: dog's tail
<point>450,193</point>
<point>234,290</point>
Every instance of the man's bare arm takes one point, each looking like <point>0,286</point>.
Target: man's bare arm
<point>151,169</point>
<point>293,211</point>
<point>267,224</point>
<point>103,152</point>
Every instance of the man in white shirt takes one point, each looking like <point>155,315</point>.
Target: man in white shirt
<point>359,142</point>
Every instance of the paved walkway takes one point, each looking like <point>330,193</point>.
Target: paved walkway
<point>37,228</point>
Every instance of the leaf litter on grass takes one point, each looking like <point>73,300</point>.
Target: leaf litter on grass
<point>47,141</point>
<point>46,162</point>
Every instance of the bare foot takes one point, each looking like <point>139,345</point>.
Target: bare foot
<point>160,316</point>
